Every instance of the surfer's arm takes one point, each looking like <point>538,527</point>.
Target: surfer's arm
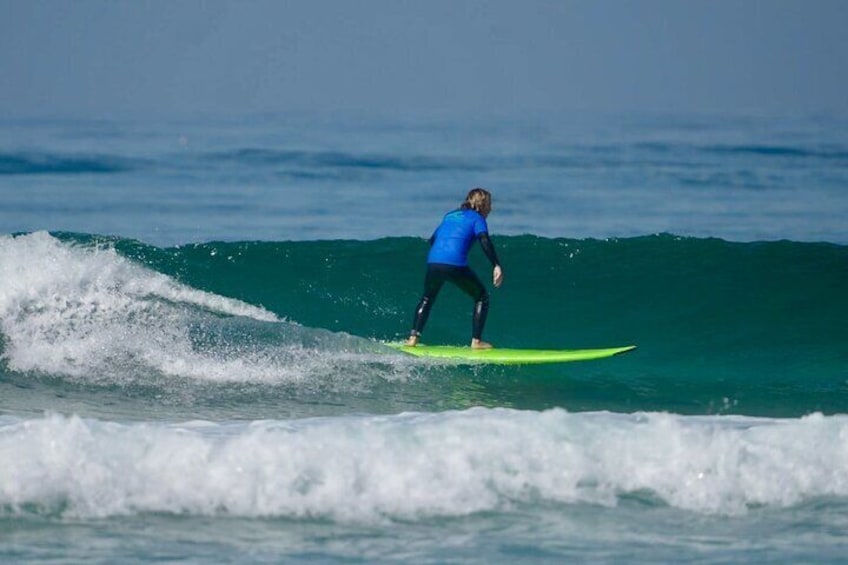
<point>489,250</point>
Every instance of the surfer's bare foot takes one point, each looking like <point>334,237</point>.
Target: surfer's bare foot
<point>480,344</point>
<point>412,341</point>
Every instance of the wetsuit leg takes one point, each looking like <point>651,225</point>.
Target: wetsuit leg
<point>481,311</point>
<point>468,281</point>
<point>433,281</point>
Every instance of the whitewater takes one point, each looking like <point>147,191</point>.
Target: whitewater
<point>193,319</point>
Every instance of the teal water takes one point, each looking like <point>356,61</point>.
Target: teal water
<point>192,364</point>
<point>743,328</point>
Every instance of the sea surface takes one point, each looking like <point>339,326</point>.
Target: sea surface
<point>193,318</point>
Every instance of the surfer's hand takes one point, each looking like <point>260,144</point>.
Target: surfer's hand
<point>497,276</point>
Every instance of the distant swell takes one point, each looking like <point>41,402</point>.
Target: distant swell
<point>779,151</point>
<point>597,156</point>
<point>272,157</point>
<point>316,163</point>
<point>54,163</point>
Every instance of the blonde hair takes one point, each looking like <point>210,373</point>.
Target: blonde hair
<point>479,200</point>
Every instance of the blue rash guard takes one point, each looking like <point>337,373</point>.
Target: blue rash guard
<point>454,237</point>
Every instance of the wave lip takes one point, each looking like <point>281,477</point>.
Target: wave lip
<point>418,466</point>
<point>90,313</point>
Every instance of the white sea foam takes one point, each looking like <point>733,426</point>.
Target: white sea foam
<point>417,466</point>
<point>89,313</point>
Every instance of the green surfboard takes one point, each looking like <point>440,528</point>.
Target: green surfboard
<point>505,356</point>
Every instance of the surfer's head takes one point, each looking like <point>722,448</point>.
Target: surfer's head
<point>478,199</point>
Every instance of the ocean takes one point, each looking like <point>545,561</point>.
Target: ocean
<point>193,318</point>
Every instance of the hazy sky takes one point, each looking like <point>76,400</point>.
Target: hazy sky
<point>114,58</point>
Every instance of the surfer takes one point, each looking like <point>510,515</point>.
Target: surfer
<point>447,261</point>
